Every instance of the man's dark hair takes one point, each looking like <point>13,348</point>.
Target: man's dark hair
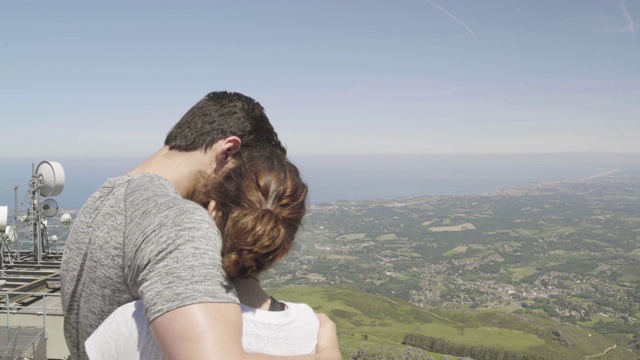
<point>219,115</point>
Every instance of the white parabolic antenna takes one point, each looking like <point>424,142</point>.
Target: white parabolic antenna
<point>65,219</point>
<point>4,212</point>
<point>52,175</point>
<point>49,208</point>
<point>10,234</point>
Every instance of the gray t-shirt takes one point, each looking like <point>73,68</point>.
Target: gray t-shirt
<point>136,238</point>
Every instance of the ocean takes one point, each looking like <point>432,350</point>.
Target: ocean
<point>334,178</point>
<point>370,177</point>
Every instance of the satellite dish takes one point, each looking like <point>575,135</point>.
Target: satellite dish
<point>65,219</point>
<point>10,234</point>
<point>4,212</point>
<point>49,208</point>
<point>51,176</point>
<point>53,238</point>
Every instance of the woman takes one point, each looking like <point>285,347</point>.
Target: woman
<point>258,205</point>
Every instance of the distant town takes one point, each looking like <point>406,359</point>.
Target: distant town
<point>567,251</point>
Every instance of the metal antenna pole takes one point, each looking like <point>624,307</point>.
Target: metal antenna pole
<point>39,226</point>
<point>36,210</point>
<point>16,241</point>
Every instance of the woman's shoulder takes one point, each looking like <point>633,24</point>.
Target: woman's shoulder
<point>299,306</point>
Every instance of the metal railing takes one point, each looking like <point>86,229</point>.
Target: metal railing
<point>24,343</point>
<point>38,308</point>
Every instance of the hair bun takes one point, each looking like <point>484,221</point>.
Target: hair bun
<point>259,202</point>
<point>254,240</point>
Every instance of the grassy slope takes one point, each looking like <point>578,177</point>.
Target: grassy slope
<point>385,322</point>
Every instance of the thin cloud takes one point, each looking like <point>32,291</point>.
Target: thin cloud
<point>455,18</point>
<point>631,26</point>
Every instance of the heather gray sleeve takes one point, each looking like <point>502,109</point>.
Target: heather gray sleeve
<point>172,257</point>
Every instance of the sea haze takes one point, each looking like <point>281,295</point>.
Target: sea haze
<point>356,177</point>
<point>369,177</point>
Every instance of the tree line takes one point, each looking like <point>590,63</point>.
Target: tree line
<point>478,352</point>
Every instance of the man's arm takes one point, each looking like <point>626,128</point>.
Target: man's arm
<point>213,331</point>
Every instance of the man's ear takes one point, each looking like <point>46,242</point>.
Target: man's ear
<point>211,208</point>
<point>229,146</point>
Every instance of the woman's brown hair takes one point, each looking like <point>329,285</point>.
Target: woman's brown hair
<point>259,205</point>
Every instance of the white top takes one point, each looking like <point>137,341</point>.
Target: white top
<point>125,334</point>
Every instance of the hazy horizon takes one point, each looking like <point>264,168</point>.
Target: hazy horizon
<point>359,177</point>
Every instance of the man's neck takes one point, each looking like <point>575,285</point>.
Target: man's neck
<point>178,167</point>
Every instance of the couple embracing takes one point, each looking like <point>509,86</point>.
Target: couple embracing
<point>164,261</point>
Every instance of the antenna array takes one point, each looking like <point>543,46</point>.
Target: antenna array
<point>47,181</point>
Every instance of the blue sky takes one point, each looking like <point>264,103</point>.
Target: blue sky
<point>110,78</point>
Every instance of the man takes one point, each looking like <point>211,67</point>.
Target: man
<point>146,236</point>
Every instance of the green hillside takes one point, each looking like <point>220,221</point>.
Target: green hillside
<point>373,327</point>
